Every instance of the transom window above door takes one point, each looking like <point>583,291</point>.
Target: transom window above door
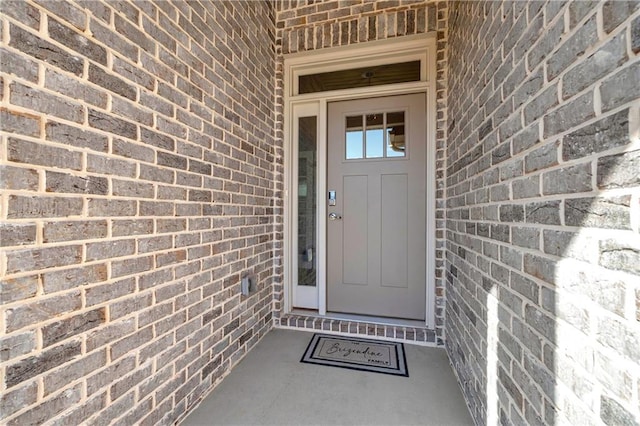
<point>376,135</point>
<point>403,72</point>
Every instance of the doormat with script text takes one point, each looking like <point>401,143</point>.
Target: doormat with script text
<point>357,354</point>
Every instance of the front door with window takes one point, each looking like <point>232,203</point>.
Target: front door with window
<point>376,228</point>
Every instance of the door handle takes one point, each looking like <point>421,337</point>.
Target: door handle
<point>334,216</point>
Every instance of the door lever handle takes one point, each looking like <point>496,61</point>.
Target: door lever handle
<point>334,216</point>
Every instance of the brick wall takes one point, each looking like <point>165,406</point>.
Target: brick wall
<point>307,25</point>
<point>543,209</point>
<point>137,184</point>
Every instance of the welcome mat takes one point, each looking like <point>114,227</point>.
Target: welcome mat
<point>357,354</point>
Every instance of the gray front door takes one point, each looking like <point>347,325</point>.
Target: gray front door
<point>376,232</point>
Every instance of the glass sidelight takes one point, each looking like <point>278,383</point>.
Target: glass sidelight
<point>305,253</point>
<point>307,195</point>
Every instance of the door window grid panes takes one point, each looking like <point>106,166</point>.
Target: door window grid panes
<point>373,136</point>
<point>395,134</point>
<point>354,138</point>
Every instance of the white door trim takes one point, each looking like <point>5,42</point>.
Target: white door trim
<point>422,47</point>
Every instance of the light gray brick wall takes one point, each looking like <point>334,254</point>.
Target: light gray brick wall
<point>141,176</point>
<point>137,179</point>
<point>307,25</point>
<point>543,210</point>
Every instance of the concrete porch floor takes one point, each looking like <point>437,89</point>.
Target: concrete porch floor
<point>271,386</point>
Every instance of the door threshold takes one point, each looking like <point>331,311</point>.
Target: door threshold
<point>407,331</point>
<point>361,318</point>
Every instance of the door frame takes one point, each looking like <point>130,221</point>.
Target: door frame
<point>402,49</point>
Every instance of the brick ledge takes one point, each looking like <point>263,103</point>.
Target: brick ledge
<point>407,334</point>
